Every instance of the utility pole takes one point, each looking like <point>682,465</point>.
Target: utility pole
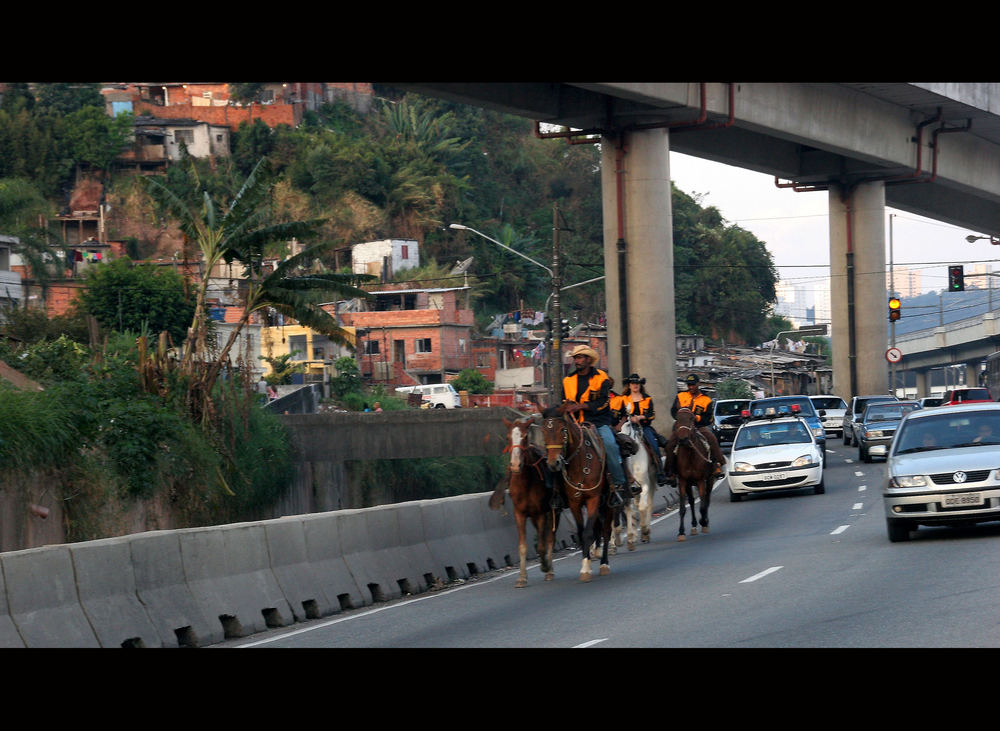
<point>892,323</point>
<point>555,354</point>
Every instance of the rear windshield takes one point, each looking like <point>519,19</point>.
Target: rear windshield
<point>830,402</point>
<point>785,404</point>
<point>971,394</point>
<point>729,408</point>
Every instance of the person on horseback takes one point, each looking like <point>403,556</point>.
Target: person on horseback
<point>637,406</point>
<point>589,389</point>
<point>700,405</point>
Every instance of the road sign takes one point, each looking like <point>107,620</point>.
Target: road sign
<point>893,355</point>
<point>812,330</point>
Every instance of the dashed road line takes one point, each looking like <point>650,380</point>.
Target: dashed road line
<point>839,530</point>
<point>762,574</point>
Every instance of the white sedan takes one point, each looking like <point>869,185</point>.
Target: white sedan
<point>773,453</point>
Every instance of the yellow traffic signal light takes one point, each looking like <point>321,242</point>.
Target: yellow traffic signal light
<point>894,313</point>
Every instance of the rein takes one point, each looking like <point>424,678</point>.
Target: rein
<point>571,457</point>
<point>693,432</point>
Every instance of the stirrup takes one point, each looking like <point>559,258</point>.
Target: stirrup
<point>636,488</point>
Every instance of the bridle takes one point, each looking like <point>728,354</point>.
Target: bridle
<point>686,431</point>
<point>518,450</point>
<point>563,461</point>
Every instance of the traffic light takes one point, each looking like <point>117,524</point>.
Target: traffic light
<point>564,329</point>
<point>548,327</point>
<point>956,278</point>
<point>894,313</point>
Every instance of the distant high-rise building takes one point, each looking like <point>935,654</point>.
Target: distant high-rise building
<point>908,282</point>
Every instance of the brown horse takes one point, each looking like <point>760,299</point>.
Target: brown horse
<point>577,452</point>
<point>693,464</point>
<point>526,485</point>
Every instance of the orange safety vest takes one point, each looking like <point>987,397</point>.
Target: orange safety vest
<point>637,407</point>
<point>597,378</point>
<point>698,404</point>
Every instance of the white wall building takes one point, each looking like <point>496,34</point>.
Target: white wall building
<point>383,258</point>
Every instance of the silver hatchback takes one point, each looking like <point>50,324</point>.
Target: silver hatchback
<point>943,469</point>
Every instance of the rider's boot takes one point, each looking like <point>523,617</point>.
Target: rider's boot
<point>617,497</point>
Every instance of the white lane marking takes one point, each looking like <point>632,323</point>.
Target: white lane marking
<point>858,506</point>
<point>762,574</point>
<point>841,529</point>
<point>591,643</point>
<point>859,474</point>
<point>862,488</point>
<point>849,461</point>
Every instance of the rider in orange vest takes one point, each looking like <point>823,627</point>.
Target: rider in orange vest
<point>701,406</point>
<point>590,389</point>
<point>637,406</point>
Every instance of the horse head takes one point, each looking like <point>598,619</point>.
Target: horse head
<point>684,425</point>
<point>555,427</point>
<point>517,442</point>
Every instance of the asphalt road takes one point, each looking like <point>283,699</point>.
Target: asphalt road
<point>794,570</point>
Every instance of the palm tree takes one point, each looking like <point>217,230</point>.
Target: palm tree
<point>240,232</point>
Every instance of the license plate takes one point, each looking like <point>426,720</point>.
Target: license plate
<point>773,476</point>
<point>962,500</point>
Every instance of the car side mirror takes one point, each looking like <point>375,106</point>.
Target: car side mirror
<point>822,412</point>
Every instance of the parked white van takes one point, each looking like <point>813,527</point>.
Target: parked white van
<point>435,395</point>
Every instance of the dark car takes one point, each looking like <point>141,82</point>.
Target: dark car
<point>854,410</point>
<point>877,426</point>
<point>805,409</point>
<point>727,415</point>
<point>966,396</point>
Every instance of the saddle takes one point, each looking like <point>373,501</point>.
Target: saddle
<point>626,445</point>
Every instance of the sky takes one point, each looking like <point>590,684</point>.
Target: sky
<point>795,228</point>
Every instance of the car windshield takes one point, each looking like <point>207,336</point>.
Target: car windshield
<point>831,402</point>
<point>729,408</point>
<point>888,412</point>
<point>767,434</point>
<point>948,431</point>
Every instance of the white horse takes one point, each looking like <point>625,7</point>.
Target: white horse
<point>644,472</point>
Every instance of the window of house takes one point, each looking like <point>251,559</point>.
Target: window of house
<point>184,135</point>
<point>371,347</point>
<point>297,345</point>
<point>423,345</point>
<point>404,251</point>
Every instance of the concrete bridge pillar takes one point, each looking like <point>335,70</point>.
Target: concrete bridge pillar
<point>923,388</point>
<point>858,292</point>
<point>972,370</point>
<point>639,262</point>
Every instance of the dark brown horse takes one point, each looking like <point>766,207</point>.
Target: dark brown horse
<point>693,465</point>
<point>530,498</point>
<point>576,451</point>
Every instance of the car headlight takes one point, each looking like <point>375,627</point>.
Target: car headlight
<point>803,461</point>
<point>742,467</point>
<point>873,433</point>
<point>908,481</point>
<point>818,431</point>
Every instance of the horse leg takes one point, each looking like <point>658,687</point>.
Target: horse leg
<point>706,499</point>
<point>646,510</point>
<point>522,551</point>
<point>632,518</point>
<point>586,539</point>
<point>682,488</point>
<point>692,488</point>
<point>606,529</point>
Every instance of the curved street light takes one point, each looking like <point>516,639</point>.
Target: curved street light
<point>460,227</point>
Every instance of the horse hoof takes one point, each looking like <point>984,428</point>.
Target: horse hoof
<point>605,570</point>
<point>645,539</point>
<point>631,545</point>
<point>550,576</point>
<point>694,531</point>
<point>520,583</point>
<point>682,537</point>
<point>704,529</point>
<point>585,577</point>
<point>612,550</point>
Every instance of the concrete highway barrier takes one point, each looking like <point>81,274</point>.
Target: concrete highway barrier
<point>196,587</point>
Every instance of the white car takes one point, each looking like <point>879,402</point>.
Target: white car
<point>943,469</point>
<point>831,410</point>
<point>774,453</point>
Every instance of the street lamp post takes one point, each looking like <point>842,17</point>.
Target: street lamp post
<point>777,338</point>
<point>555,345</point>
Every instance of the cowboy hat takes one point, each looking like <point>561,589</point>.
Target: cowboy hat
<point>584,350</point>
<point>634,378</point>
